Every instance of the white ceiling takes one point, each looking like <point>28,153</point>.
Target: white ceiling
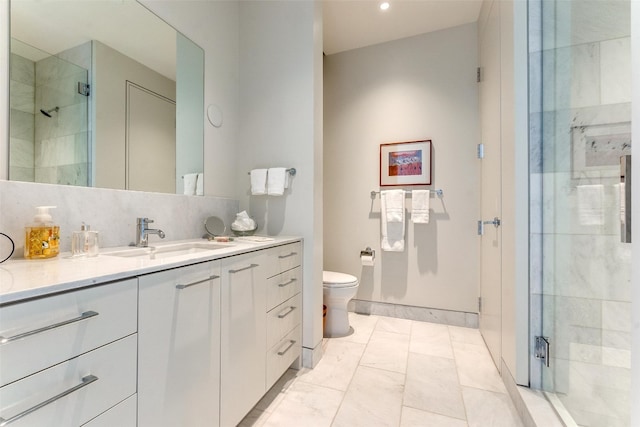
<point>350,24</point>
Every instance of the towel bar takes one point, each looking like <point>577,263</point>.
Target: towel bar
<point>292,171</point>
<point>439,192</point>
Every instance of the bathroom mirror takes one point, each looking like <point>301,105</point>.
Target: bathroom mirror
<point>103,93</point>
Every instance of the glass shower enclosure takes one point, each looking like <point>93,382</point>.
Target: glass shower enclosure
<point>580,128</point>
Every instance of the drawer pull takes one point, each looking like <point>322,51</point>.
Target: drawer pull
<point>282,285</point>
<point>83,316</point>
<point>243,269</point>
<point>284,313</point>
<point>287,256</point>
<point>282,352</point>
<point>85,382</point>
<point>197,283</point>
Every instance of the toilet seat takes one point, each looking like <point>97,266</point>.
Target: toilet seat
<point>332,279</point>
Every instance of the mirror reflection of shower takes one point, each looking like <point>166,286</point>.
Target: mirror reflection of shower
<point>48,112</point>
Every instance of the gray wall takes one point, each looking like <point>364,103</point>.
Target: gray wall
<point>422,87</point>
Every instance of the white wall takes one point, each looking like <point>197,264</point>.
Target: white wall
<point>281,111</point>
<point>422,87</point>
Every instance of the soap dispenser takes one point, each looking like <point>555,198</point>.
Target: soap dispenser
<point>42,237</point>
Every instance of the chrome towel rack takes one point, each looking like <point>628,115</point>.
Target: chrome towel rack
<point>439,192</point>
<point>292,171</point>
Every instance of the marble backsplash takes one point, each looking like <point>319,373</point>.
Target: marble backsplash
<point>111,212</point>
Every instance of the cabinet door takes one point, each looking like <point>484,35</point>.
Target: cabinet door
<point>179,350</point>
<point>243,346</point>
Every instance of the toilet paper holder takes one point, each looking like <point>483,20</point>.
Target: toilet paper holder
<point>368,252</point>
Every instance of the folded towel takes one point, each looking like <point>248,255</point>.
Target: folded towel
<point>200,185</point>
<point>394,201</point>
<point>189,181</point>
<point>590,208</point>
<point>277,181</point>
<point>392,230</point>
<point>420,206</point>
<point>258,182</point>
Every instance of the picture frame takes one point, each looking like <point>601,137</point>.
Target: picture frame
<point>405,163</point>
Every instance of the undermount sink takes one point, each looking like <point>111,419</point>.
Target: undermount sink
<point>168,251</point>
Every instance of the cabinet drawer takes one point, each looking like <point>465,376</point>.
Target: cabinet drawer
<point>112,369</point>
<point>283,286</point>
<point>283,258</point>
<point>282,319</point>
<point>282,355</point>
<point>121,415</point>
<point>50,330</point>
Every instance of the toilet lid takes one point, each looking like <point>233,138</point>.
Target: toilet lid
<point>332,279</point>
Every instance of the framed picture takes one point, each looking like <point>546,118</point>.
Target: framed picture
<point>405,163</point>
<point>596,149</point>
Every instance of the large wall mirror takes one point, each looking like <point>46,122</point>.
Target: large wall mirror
<point>104,93</point>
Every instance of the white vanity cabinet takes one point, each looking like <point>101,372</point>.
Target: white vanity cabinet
<point>284,310</point>
<point>67,358</point>
<point>179,347</point>
<point>243,336</point>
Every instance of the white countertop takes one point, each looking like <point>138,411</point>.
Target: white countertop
<point>22,278</point>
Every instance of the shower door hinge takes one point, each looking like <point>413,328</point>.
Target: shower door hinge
<point>480,151</point>
<point>541,350</point>
<point>478,75</point>
<point>479,304</point>
<point>83,89</point>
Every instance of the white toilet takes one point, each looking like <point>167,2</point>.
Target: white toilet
<point>338,289</point>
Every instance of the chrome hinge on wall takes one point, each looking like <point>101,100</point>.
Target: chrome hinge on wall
<point>479,304</point>
<point>480,151</point>
<point>541,350</point>
<point>478,75</point>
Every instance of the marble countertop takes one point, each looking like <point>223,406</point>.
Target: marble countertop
<point>23,279</point>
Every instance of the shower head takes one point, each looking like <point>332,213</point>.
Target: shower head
<point>48,112</point>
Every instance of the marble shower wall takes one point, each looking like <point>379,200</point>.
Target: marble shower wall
<point>580,272</point>
<point>62,140</point>
<point>22,128</point>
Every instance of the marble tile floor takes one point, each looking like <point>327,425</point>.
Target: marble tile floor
<point>392,373</point>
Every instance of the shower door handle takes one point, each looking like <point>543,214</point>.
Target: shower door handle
<point>625,198</point>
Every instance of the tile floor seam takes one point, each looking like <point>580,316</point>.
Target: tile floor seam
<point>455,361</point>
<point>344,394</point>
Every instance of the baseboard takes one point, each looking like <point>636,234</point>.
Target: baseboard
<point>424,314</point>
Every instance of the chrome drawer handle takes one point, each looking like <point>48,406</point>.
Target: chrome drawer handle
<point>85,382</point>
<point>284,313</point>
<point>287,256</point>
<point>282,285</point>
<point>243,269</point>
<point>83,316</point>
<point>282,352</point>
<point>197,283</point>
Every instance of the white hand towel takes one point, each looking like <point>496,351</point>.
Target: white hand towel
<point>420,206</point>
<point>189,181</point>
<point>276,181</point>
<point>200,185</point>
<point>392,231</point>
<point>590,208</point>
<point>258,182</point>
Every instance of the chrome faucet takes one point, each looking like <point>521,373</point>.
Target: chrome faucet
<point>142,232</point>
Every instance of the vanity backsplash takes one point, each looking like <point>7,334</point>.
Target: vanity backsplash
<point>112,212</point>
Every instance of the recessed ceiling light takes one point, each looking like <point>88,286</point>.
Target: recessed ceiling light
<point>384,5</point>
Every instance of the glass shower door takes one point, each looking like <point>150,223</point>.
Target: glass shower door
<point>580,92</point>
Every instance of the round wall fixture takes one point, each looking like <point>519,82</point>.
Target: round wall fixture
<point>214,114</point>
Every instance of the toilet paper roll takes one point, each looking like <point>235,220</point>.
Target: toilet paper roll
<point>366,260</point>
